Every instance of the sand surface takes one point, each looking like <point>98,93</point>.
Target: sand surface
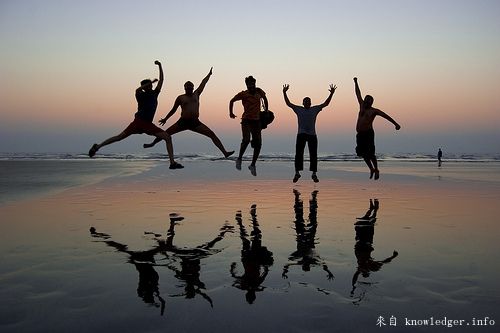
<point>211,249</point>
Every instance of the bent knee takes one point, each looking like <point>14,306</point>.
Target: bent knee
<point>164,135</point>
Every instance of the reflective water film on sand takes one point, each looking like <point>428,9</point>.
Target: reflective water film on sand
<point>152,252</point>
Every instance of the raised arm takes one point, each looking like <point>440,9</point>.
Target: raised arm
<point>266,102</point>
<point>177,103</point>
<point>160,81</point>
<point>386,116</point>
<point>329,98</point>
<point>287,100</point>
<point>394,255</point>
<point>204,82</point>
<point>358,92</point>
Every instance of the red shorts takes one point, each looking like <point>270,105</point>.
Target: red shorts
<point>139,126</point>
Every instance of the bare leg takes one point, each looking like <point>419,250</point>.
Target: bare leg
<point>106,142</point>
<point>257,144</point>
<point>245,132</point>
<point>375,167</point>
<point>368,161</point>
<point>204,130</point>
<point>243,146</point>
<point>149,145</point>
<point>113,139</point>
<point>171,131</point>
<point>170,149</point>
<point>256,153</point>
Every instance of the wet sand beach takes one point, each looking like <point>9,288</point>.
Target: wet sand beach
<point>213,249</point>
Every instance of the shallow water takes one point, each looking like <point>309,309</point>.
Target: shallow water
<point>212,250</point>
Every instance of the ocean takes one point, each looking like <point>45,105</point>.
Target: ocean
<point>27,175</point>
<point>275,156</point>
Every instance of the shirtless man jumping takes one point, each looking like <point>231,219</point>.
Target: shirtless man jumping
<point>190,105</point>
<point>365,136</point>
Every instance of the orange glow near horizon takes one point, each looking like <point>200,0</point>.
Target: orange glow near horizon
<point>82,77</point>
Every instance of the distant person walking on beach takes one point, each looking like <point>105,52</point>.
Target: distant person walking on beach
<point>306,116</point>
<point>250,120</point>
<point>147,100</point>
<point>440,155</point>
<point>365,136</point>
<point>190,106</point>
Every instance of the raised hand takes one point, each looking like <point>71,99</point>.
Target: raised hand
<point>157,63</point>
<point>286,87</point>
<point>332,88</point>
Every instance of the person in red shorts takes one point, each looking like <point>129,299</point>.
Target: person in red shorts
<point>147,101</point>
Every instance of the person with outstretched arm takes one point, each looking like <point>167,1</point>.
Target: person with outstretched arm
<point>306,116</point>
<point>365,135</point>
<point>147,102</point>
<point>189,120</point>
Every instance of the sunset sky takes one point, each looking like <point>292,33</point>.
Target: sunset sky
<point>69,69</point>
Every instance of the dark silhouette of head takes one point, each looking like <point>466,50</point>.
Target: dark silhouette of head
<point>147,84</point>
<point>189,87</point>
<point>250,82</point>
<point>306,102</point>
<point>368,101</point>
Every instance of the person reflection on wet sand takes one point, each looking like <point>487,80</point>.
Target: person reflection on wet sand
<point>144,262</point>
<point>255,258</point>
<point>365,229</point>
<point>189,271</point>
<point>305,255</point>
<point>188,274</point>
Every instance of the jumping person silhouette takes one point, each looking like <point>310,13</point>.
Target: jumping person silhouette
<point>365,136</point>
<point>306,116</point>
<point>190,105</point>
<point>250,120</point>
<point>147,100</point>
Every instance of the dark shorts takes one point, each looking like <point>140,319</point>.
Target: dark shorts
<point>139,126</point>
<point>365,143</point>
<point>188,124</point>
<point>253,124</point>
<point>252,128</point>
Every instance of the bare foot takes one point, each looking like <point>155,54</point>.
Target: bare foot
<point>227,154</point>
<point>377,174</point>
<point>93,150</point>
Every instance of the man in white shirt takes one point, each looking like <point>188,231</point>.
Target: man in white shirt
<point>306,116</point>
